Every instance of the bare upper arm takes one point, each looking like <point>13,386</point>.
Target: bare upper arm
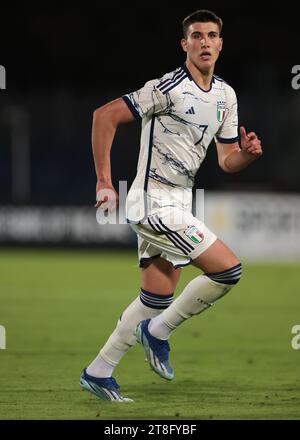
<point>117,112</point>
<point>225,150</point>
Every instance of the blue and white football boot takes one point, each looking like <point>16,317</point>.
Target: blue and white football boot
<point>105,388</point>
<point>156,350</point>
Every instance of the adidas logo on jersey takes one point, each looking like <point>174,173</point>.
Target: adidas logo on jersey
<point>190,111</point>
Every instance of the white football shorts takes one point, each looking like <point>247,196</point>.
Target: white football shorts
<point>174,235</point>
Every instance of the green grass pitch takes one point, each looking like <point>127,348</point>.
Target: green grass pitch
<point>235,361</point>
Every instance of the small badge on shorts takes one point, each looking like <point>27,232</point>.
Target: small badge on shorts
<point>194,234</point>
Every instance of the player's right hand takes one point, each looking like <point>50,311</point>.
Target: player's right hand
<point>106,196</point>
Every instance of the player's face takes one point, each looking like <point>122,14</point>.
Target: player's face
<point>203,45</point>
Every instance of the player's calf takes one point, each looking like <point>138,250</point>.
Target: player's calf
<point>200,294</point>
<point>220,284</point>
<point>203,291</point>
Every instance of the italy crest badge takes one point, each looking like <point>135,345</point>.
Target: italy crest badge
<point>221,107</point>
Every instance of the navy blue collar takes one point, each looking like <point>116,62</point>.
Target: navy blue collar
<point>184,67</point>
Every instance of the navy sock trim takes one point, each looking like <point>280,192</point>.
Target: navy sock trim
<point>229,276</point>
<point>223,271</point>
<point>154,300</point>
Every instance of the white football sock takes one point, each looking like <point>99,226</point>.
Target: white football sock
<point>198,295</point>
<point>159,328</point>
<point>147,305</point>
<point>99,368</point>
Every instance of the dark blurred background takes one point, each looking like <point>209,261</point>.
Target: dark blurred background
<point>62,62</point>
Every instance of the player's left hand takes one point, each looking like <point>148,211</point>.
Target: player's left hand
<point>250,143</point>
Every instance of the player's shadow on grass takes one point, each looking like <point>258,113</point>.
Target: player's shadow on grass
<point>177,387</point>
<point>155,390</point>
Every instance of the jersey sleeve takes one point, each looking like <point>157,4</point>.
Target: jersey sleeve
<point>228,132</point>
<point>147,101</point>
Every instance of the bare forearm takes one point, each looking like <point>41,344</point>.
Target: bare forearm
<point>105,122</point>
<point>103,133</point>
<point>237,161</point>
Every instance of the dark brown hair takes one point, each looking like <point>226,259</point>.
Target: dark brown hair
<point>201,16</point>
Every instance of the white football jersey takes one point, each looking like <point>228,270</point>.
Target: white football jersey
<point>179,121</point>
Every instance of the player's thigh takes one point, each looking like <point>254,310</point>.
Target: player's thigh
<point>216,258</point>
<point>159,276</point>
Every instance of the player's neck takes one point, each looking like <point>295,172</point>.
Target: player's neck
<point>202,78</point>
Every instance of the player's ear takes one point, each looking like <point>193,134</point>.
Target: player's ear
<point>184,44</point>
<point>221,44</point>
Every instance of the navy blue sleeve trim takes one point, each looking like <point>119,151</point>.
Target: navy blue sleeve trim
<point>227,141</point>
<point>131,107</point>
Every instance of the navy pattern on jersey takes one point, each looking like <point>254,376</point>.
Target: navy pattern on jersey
<point>184,121</point>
